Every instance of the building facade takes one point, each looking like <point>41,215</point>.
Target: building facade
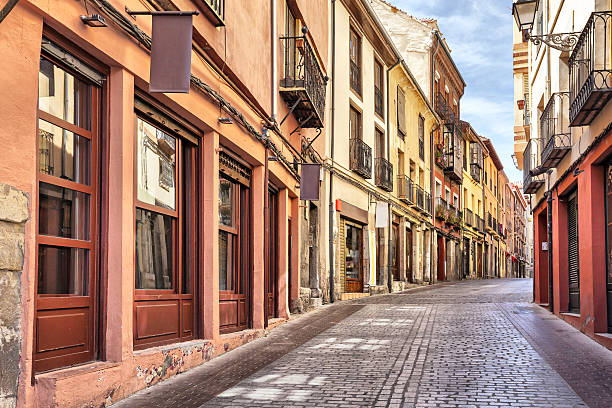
<point>565,161</point>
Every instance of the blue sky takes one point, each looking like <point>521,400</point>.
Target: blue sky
<point>479,34</point>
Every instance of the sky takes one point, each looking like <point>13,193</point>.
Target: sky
<point>479,34</point>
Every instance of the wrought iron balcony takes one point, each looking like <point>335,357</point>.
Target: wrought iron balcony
<point>378,101</point>
<point>214,10</point>
<point>452,136</point>
<point>427,201</point>
<point>480,224</point>
<point>419,195</point>
<point>303,85</point>
<point>476,161</point>
<point>406,188</point>
<point>555,131</point>
<point>591,70</point>
<point>468,217</point>
<point>444,109</point>
<point>360,158</point>
<point>383,174</point>
<point>533,178</point>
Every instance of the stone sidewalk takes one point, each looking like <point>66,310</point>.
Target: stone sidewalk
<point>469,344</point>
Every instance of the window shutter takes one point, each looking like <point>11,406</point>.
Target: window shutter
<point>572,254</point>
<point>401,111</point>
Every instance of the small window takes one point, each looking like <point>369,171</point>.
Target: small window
<point>421,137</point>
<point>354,124</point>
<point>355,61</point>
<point>378,87</point>
<point>401,113</point>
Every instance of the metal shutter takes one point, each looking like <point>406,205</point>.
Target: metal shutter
<point>572,254</point>
<point>342,260</point>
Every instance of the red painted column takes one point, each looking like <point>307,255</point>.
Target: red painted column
<point>119,291</point>
<point>209,238</point>
<point>258,191</point>
<point>537,244</point>
<point>592,249</point>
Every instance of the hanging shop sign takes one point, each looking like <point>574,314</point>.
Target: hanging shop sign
<point>310,175</point>
<point>382,214</point>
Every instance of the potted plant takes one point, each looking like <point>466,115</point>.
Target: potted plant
<point>441,212</point>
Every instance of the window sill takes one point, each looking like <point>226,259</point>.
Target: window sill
<point>67,372</point>
<point>570,314</point>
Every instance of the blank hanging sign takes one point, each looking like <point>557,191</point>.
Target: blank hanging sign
<point>309,181</point>
<point>171,53</point>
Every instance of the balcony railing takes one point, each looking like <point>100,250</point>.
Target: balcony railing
<point>303,84</point>
<point>591,70</point>
<point>555,131</point>
<point>406,188</point>
<point>532,177</point>
<point>444,109</point>
<point>489,220</point>
<point>419,195</point>
<point>214,10</point>
<point>360,159</point>
<point>383,174</point>
<point>480,224</point>
<point>452,137</point>
<point>427,200</point>
<point>378,101</point>
<point>476,161</point>
<point>355,77</point>
<point>468,217</point>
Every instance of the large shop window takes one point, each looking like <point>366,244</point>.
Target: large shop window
<point>353,257</point>
<point>165,235</point>
<point>66,281</point>
<point>234,244</point>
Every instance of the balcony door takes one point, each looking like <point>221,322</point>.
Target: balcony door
<point>66,316</point>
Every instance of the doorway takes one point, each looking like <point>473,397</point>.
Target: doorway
<point>353,257</point>
<point>572,253</point>
<point>395,253</point>
<point>409,261</point>
<point>271,275</point>
<point>608,208</point>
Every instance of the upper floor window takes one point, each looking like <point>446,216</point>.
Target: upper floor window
<point>354,124</point>
<point>355,61</point>
<point>378,86</point>
<point>401,113</point>
<point>421,137</point>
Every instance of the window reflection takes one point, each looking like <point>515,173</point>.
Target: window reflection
<point>63,271</point>
<point>226,200</point>
<point>154,256</point>
<point>63,212</point>
<point>63,96</point>
<point>156,166</point>
<point>226,261</point>
<point>63,154</point>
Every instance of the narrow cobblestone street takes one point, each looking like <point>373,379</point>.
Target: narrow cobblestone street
<point>474,343</point>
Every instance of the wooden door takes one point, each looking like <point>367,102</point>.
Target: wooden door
<point>235,230</point>
<point>353,257</point>
<point>380,256</point>
<point>66,316</point>
<point>395,252</point>
<point>271,273</point>
<point>165,234</point>
<point>441,259</point>
<point>409,260</point>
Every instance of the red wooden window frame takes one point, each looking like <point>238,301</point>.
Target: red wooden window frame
<point>175,307</point>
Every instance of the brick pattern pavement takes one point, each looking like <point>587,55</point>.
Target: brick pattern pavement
<point>448,346</point>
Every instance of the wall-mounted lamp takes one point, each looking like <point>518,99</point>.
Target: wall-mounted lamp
<point>272,158</point>
<point>225,121</point>
<point>94,20</point>
<point>577,171</point>
<point>524,14</point>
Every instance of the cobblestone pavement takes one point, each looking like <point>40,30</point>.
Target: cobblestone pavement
<point>469,344</point>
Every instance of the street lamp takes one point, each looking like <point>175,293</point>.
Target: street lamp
<point>524,13</point>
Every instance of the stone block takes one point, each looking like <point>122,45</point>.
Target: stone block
<point>13,204</point>
<point>11,246</point>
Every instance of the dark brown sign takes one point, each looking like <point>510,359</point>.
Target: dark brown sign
<point>171,54</point>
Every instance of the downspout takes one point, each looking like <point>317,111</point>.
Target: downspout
<point>389,273</point>
<point>332,296</point>
<point>432,265</point>
<point>274,53</point>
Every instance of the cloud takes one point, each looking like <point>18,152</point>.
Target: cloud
<point>479,34</point>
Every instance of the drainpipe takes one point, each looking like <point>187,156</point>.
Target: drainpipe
<point>389,273</point>
<point>432,265</point>
<point>332,296</point>
<point>274,53</point>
